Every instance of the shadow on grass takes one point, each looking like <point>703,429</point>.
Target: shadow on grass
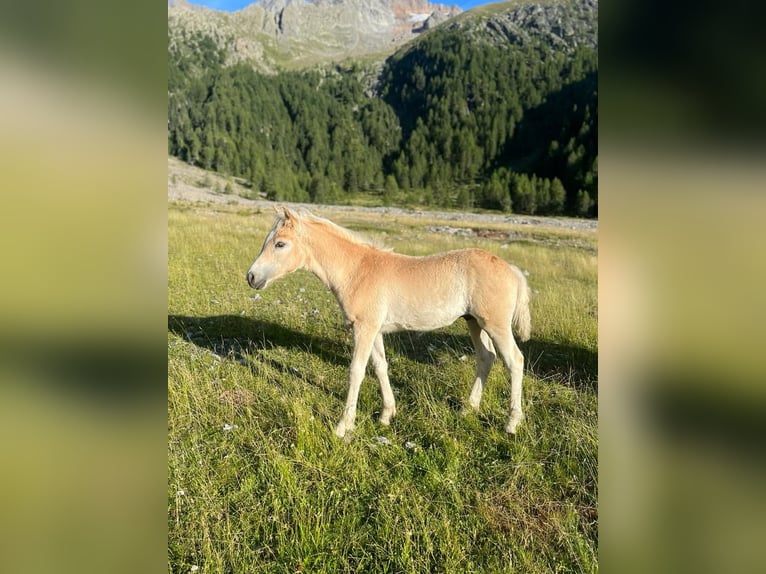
<point>237,337</point>
<point>567,364</point>
<point>545,360</point>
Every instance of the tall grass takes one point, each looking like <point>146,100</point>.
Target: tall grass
<point>259,483</point>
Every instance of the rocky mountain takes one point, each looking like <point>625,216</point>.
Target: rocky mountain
<point>562,25</point>
<point>274,34</point>
<point>495,108</point>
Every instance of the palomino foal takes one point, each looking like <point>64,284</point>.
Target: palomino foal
<point>381,292</point>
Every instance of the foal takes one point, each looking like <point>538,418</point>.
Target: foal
<point>381,292</point>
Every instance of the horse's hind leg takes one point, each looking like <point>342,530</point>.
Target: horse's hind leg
<point>485,356</point>
<point>514,363</point>
<point>381,371</point>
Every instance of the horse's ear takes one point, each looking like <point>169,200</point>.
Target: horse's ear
<point>288,215</point>
<point>285,214</point>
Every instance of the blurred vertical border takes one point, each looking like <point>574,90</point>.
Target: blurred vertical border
<point>681,277</point>
<point>83,286</point>
<point>83,290</point>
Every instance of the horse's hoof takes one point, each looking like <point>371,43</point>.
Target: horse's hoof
<point>513,422</point>
<point>386,416</point>
<point>469,410</point>
<point>343,429</point>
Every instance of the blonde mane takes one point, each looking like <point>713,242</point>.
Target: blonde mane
<point>348,234</point>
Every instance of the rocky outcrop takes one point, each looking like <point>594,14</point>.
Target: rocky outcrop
<point>297,33</point>
<point>562,25</point>
<point>354,26</point>
<point>278,34</point>
<point>438,17</point>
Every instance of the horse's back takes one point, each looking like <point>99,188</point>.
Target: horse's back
<point>423,293</point>
<point>484,267</point>
<point>467,268</point>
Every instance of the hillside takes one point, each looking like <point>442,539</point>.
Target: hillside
<point>496,108</point>
<point>278,34</point>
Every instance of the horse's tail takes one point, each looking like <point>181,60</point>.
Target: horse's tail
<point>521,318</point>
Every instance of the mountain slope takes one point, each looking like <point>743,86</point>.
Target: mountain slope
<point>496,108</point>
<point>511,88</point>
<point>274,34</point>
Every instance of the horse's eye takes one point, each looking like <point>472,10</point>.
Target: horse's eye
<point>279,244</point>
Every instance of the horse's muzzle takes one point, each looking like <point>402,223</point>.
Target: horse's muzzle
<point>253,283</point>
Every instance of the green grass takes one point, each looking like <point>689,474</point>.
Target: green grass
<point>280,493</point>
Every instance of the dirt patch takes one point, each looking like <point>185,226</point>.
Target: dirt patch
<point>510,235</point>
<point>187,183</point>
<point>237,397</point>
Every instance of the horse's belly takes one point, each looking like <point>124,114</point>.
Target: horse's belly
<point>421,320</point>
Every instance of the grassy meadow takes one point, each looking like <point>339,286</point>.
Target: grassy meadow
<point>258,482</point>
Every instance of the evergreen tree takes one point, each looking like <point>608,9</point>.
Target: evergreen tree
<point>457,120</point>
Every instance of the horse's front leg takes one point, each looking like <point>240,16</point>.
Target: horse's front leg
<point>364,338</point>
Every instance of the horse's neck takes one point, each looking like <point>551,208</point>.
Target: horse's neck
<point>333,259</point>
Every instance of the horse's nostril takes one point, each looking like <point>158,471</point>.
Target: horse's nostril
<point>250,277</point>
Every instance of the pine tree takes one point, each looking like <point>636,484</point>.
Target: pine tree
<point>584,203</point>
<point>390,190</point>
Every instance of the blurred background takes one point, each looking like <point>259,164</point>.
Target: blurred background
<point>83,286</point>
<point>681,270</point>
<point>83,297</point>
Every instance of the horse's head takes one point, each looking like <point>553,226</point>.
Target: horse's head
<point>281,253</point>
